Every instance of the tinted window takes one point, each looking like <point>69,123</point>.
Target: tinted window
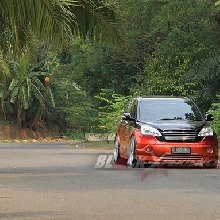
<point>168,109</point>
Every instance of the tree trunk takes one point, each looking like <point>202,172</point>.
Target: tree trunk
<point>36,116</point>
<point>19,115</point>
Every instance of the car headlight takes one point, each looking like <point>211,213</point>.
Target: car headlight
<point>149,130</point>
<point>206,131</point>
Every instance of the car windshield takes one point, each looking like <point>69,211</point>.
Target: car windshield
<point>153,109</point>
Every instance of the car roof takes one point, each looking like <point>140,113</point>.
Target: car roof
<point>161,97</point>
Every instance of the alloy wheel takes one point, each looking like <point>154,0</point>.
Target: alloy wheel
<point>132,157</point>
<point>116,155</point>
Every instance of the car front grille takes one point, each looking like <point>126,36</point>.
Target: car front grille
<point>181,157</point>
<point>179,135</point>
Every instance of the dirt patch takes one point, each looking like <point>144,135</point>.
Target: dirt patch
<point>12,132</point>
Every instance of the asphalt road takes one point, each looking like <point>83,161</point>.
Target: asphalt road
<point>63,181</point>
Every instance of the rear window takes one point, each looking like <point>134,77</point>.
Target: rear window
<point>168,109</point>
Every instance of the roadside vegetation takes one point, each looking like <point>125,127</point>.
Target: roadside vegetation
<point>75,64</point>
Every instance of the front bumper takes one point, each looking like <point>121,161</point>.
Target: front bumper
<point>149,149</point>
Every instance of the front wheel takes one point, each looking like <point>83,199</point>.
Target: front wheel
<point>210,165</point>
<point>116,154</point>
<point>132,161</point>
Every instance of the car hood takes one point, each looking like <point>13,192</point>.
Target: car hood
<point>177,125</point>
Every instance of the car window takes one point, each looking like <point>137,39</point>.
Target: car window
<point>168,109</point>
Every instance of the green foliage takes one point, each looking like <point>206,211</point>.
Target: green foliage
<point>54,21</point>
<point>170,48</point>
<point>217,3</point>
<point>75,111</point>
<point>215,110</point>
<point>111,107</point>
<point>4,73</point>
<point>94,68</point>
<point>182,40</point>
<point>24,91</point>
<point>162,49</point>
<point>75,135</point>
<point>206,76</point>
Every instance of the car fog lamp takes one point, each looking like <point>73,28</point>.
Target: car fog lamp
<point>149,149</point>
<point>210,150</point>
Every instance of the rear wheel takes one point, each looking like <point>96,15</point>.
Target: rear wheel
<point>132,161</point>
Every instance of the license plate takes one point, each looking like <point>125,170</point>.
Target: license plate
<point>181,150</point>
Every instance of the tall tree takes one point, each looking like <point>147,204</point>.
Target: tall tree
<point>26,90</point>
<point>185,34</point>
<point>54,20</point>
<point>111,107</point>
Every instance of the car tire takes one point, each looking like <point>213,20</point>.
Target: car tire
<point>132,161</point>
<point>116,154</point>
<point>211,165</point>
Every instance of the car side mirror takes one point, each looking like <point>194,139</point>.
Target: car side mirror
<point>127,116</point>
<point>209,117</point>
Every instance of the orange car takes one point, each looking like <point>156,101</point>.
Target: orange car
<point>166,130</point>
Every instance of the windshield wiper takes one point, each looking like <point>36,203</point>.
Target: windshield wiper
<point>166,119</point>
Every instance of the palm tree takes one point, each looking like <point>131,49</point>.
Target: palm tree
<point>54,20</point>
<point>4,73</point>
<point>27,90</point>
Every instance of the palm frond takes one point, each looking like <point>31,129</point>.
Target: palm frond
<point>47,19</point>
<point>24,97</point>
<point>51,97</point>
<point>38,83</point>
<point>28,83</point>
<point>14,95</point>
<point>12,85</point>
<point>37,74</point>
<point>96,21</point>
<point>37,93</point>
<point>55,20</point>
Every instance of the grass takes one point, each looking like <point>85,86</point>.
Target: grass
<point>100,142</point>
<point>97,144</point>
